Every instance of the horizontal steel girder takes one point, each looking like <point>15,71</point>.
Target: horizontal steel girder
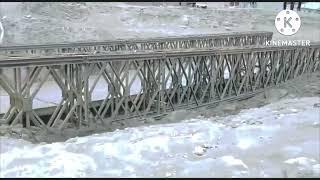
<point>174,42</point>
<point>6,61</point>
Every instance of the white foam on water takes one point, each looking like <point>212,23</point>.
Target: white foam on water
<point>192,148</point>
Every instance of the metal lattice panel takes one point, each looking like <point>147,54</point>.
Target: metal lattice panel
<point>166,81</point>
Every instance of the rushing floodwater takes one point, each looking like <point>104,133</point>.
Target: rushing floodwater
<point>39,22</point>
<point>277,140</point>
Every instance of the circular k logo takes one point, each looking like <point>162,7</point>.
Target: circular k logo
<point>287,22</point>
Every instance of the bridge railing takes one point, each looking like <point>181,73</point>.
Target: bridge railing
<point>145,83</point>
<point>174,42</point>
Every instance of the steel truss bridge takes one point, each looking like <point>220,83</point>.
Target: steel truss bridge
<point>177,77</point>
